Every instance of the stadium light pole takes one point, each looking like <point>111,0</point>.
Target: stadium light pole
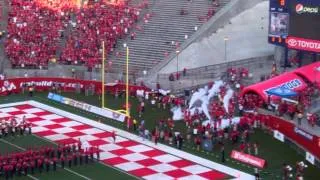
<point>226,39</point>
<point>177,52</point>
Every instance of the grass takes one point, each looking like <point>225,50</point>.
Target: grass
<point>275,152</point>
<point>94,171</point>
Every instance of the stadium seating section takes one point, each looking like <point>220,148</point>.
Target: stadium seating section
<point>35,29</point>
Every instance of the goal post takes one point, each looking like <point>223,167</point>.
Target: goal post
<point>103,82</point>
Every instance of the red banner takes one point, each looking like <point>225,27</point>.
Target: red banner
<point>309,142</point>
<point>303,44</point>
<point>248,159</point>
<point>15,85</point>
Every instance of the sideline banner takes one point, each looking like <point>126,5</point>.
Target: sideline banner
<point>310,158</point>
<point>303,133</point>
<point>87,107</point>
<point>15,85</point>
<point>248,159</point>
<point>278,135</point>
<point>308,141</point>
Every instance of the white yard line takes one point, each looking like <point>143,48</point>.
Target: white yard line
<point>196,159</point>
<point>99,161</point>
<point>69,170</point>
<point>32,177</point>
<point>80,175</point>
<point>18,147</point>
<point>184,155</point>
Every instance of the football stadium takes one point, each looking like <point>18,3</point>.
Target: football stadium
<point>159,90</point>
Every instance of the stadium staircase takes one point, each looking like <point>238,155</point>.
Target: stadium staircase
<point>165,26</point>
<point>4,10</point>
<point>66,33</point>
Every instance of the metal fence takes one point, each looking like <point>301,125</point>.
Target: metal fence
<point>213,71</point>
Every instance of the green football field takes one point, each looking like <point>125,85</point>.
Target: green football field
<point>275,152</point>
<point>91,171</point>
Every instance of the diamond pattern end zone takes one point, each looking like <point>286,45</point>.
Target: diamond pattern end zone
<point>136,159</point>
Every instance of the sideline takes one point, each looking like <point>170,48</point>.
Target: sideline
<point>117,169</point>
<point>237,174</point>
<point>32,177</point>
<point>6,142</point>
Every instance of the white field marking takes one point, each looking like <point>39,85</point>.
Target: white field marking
<point>169,150</point>
<point>69,170</point>
<point>32,177</point>
<point>18,147</point>
<point>117,169</point>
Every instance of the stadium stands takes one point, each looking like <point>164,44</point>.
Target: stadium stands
<point>94,24</point>
<point>73,35</point>
<point>33,32</point>
<point>165,28</point>
<point>36,28</point>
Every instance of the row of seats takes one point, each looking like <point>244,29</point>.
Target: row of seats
<point>33,33</point>
<point>36,29</point>
<point>94,24</point>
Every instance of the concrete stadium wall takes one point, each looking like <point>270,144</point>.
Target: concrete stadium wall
<point>65,71</point>
<point>247,33</point>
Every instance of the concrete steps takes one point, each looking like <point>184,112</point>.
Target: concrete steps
<point>166,25</point>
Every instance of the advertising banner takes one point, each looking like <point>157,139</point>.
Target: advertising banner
<point>108,113</point>
<point>15,85</point>
<point>248,159</point>
<point>303,133</point>
<point>303,44</point>
<point>310,158</point>
<point>278,135</point>
<point>207,145</point>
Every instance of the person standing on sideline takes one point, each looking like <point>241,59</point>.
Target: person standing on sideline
<point>113,136</point>
<point>223,154</point>
<point>134,125</point>
<point>300,116</point>
<point>255,147</point>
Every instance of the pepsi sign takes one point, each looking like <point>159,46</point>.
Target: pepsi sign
<point>293,84</point>
<point>300,9</point>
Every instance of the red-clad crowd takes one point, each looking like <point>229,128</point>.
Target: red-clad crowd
<point>97,23</point>
<point>33,33</point>
<point>36,27</point>
<point>44,159</point>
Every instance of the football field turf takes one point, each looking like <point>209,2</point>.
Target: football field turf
<point>91,171</point>
<point>128,155</point>
<point>273,151</point>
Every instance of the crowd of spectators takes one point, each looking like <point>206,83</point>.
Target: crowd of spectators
<point>33,33</point>
<point>96,23</point>
<point>35,29</point>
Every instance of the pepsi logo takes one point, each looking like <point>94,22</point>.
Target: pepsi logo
<point>292,42</point>
<point>299,8</point>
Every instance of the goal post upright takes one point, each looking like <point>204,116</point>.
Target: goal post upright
<point>102,76</point>
<point>127,83</point>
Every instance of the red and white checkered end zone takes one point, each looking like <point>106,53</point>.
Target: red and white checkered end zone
<point>130,156</point>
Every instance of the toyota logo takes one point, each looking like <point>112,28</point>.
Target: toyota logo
<point>292,42</point>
